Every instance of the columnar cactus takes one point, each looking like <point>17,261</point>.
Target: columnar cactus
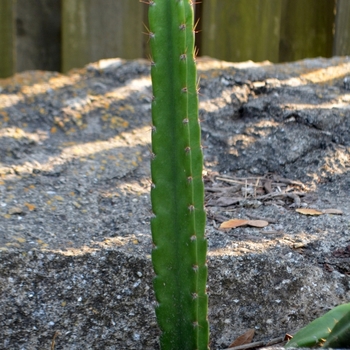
<point>177,194</point>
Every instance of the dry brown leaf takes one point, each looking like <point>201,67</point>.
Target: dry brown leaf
<point>332,211</point>
<point>257,223</point>
<point>243,339</point>
<point>306,211</point>
<point>233,223</point>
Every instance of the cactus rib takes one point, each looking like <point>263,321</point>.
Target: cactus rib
<point>177,192</point>
<point>198,185</point>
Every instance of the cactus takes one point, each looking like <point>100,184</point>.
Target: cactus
<point>177,194</point>
<point>330,327</point>
<point>339,337</point>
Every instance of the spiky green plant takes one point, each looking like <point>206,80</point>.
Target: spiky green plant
<point>330,330</point>
<point>177,194</point>
<point>339,337</point>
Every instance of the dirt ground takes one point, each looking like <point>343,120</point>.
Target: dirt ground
<point>75,149</point>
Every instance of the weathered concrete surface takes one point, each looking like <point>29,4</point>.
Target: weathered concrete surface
<point>74,234</point>
<point>103,299</point>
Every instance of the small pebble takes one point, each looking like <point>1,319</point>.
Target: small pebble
<point>15,210</point>
<point>346,82</point>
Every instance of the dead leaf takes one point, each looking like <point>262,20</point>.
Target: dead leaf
<point>257,223</point>
<point>233,223</point>
<point>332,211</point>
<point>306,211</point>
<point>287,337</point>
<point>243,339</point>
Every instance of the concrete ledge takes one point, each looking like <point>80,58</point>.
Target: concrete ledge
<point>102,299</point>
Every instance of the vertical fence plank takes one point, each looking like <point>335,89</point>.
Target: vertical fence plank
<point>145,38</point>
<point>74,34</point>
<point>235,30</point>
<point>341,45</point>
<point>306,29</point>
<point>91,32</point>
<point>38,35</point>
<point>7,38</point>
<point>239,30</point>
<point>198,11</point>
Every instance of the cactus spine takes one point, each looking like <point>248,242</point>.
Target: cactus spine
<point>177,195</point>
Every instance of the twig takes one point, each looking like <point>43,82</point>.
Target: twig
<point>293,182</point>
<point>279,194</point>
<point>222,189</point>
<point>269,220</point>
<point>213,189</point>
<point>238,178</point>
<point>241,182</point>
<point>256,185</point>
<point>53,340</point>
<point>245,182</point>
<point>257,344</point>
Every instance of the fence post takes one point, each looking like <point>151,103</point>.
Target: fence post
<point>341,44</point>
<point>38,35</point>
<point>306,29</point>
<point>91,31</point>
<point>240,30</point>
<point>7,38</point>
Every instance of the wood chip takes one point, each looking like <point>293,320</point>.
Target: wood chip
<point>77,205</point>
<point>30,206</point>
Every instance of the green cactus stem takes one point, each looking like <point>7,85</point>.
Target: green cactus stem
<point>319,330</point>
<point>177,194</point>
<point>339,337</point>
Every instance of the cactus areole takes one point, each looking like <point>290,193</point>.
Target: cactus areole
<point>177,194</point>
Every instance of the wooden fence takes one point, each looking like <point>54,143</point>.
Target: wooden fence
<point>63,34</point>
